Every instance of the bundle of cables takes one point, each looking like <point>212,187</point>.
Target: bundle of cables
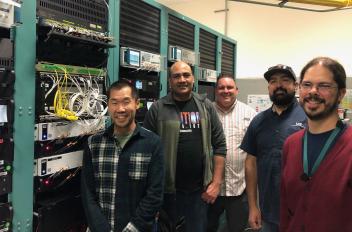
<point>77,96</point>
<point>61,101</point>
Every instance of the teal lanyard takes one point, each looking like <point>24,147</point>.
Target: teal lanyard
<point>322,153</point>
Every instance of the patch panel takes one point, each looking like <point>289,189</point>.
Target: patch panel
<point>65,91</point>
<point>75,32</point>
<point>89,14</point>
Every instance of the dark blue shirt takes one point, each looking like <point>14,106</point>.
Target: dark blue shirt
<point>264,139</point>
<point>316,143</point>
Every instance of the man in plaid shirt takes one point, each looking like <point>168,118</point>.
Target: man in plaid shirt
<point>123,170</point>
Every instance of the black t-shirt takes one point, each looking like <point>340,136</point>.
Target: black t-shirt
<point>189,166</point>
<point>316,143</point>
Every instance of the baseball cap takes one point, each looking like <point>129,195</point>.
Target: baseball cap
<point>280,68</point>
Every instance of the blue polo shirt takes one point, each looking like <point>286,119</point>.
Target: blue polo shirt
<point>264,139</point>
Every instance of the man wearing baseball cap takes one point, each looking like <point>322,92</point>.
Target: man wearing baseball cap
<point>263,143</point>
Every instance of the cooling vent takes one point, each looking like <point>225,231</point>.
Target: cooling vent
<point>6,53</point>
<point>207,49</point>
<point>228,57</point>
<point>181,33</point>
<point>140,26</point>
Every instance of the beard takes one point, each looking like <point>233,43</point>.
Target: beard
<point>282,99</point>
<point>329,108</point>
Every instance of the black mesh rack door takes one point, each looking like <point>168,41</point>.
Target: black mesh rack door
<point>89,14</point>
<point>228,57</point>
<point>181,33</point>
<point>140,26</point>
<point>207,49</point>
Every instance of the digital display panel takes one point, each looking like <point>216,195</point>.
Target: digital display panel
<point>134,58</point>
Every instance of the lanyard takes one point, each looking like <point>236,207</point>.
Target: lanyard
<point>322,153</point>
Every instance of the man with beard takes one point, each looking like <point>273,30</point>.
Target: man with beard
<point>263,143</point>
<point>316,184</point>
<point>122,174</point>
<point>193,139</point>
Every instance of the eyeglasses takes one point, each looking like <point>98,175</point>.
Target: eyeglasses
<point>179,75</point>
<point>320,87</point>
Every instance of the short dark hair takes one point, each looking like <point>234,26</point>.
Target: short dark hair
<point>122,83</point>
<point>224,75</point>
<point>337,70</point>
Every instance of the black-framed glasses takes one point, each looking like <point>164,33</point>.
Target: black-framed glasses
<point>320,87</point>
<point>179,75</point>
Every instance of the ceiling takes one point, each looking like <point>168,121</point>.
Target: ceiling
<point>307,5</point>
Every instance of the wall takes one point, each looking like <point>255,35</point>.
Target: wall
<point>270,35</point>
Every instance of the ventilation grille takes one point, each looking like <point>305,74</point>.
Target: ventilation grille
<point>181,33</point>
<point>140,26</point>
<point>6,63</point>
<point>228,57</point>
<point>207,49</point>
<point>90,14</point>
<point>6,53</point>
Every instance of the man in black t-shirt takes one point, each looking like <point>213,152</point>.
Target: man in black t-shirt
<point>195,148</point>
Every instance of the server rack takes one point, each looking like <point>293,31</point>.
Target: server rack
<point>24,107</point>
<point>7,80</point>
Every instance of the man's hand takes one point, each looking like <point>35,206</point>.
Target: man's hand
<point>211,193</point>
<point>255,218</point>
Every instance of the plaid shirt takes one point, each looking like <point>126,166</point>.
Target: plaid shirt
<point>122,187</point>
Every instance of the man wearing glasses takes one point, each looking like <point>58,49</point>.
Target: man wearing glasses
<point>263,143</point>
<point>195,149</point>
<point>316,183</point>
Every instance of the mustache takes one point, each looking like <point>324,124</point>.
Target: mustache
<point>280,89</point>
<point>315,98</point>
